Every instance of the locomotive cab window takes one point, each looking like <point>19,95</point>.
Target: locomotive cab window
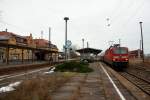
<point>120,51</point>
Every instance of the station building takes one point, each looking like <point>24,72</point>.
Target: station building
<point>15,53</point>
<point>45,44</point>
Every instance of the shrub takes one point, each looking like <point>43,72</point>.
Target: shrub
<point>81,67</point>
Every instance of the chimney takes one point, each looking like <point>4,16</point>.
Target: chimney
<point>42,34</point>
<point>87,44</point>
<point>31,34</point>
<point>49,36</point>
<point>6,30</point>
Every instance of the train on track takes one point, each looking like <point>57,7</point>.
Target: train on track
<point>116,56</point>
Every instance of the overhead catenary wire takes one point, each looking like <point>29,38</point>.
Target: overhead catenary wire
<point>135,8</point>
<point>114,17</point>
<point>118,10</point>
<point>132,9</point>
<point>130,18</point>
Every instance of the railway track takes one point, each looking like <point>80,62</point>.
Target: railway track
<point>140,67</point>
<point>141,83</point>
<point>24,74</point>
<point>139,71</point>
<point>7,79</point>
<point>143,75</point>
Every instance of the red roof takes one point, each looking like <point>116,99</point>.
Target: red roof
<point>6,33</point>
<point>41,42</point>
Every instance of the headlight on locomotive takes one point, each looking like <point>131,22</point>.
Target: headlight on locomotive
<point>124,57</point>
<point>115,57</point>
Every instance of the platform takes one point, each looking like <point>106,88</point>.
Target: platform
<point>93,86</point>
<point>102,84</point>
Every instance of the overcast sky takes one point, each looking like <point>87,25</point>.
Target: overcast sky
<point>88,20</point>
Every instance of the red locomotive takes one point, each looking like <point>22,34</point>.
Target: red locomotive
<point>116,56</point>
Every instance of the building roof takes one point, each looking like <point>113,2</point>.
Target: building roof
<point>44,43</point>
<point>41,42</point>
<point>4,38</point>
<point>10,34</point>
<point>135,51</point>
<point>25,47</point>
<point>89,50</point>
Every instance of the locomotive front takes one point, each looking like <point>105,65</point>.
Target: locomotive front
<point>120,56</point>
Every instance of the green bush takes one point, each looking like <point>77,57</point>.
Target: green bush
<point>80,67</point>
<point>84,63</point>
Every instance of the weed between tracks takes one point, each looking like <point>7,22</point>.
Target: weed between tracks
<point>39,88</point>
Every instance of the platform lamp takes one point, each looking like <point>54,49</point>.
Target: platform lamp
<point>66,19</point>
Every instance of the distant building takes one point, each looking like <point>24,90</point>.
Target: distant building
<point>135,53</point>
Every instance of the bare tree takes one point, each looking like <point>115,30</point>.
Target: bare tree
<point>73,49</point>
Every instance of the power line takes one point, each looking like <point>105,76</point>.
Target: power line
<point>122,11</point>
<point>134,13</point>
<point>114,17</point>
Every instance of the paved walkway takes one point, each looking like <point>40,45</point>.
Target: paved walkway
<point>91,86</point>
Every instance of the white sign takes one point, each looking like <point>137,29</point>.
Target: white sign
<point>69,43</point>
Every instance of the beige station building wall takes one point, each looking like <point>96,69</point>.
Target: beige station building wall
<point>18,54</point>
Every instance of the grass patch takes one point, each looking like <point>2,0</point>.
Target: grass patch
<point>80,67</point>
<point>39,88</point>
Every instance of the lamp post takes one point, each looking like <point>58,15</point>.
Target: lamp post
<point>66,19</point>
<point>142,40</point>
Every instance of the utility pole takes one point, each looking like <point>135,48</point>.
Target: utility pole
<point>49,36</point>
<point>140,44</point>
<point>42,34</point>
<point>83,47</point>
<point>142,40</point>
<point>120,42</point>
<point>66,19</point>
<point>87,44</point>
<point>139,51</point>
<point>50,54</point>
